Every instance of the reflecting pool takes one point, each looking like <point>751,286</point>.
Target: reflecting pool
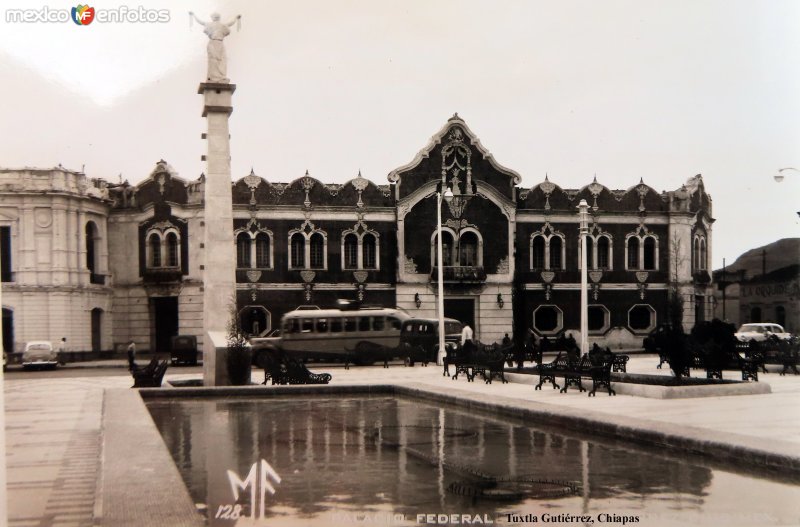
<point>395,461</point>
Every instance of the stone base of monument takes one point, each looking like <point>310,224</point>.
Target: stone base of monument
<point>215,363</point>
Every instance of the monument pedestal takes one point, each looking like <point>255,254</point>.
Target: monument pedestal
<point>219,274</point>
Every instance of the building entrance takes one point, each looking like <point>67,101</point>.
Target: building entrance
<point>8,331</point>
<point>461,309</point>
<point>165,322</point>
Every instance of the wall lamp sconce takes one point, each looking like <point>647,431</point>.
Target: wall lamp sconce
<point>500,302</point>
<point>417,300</point>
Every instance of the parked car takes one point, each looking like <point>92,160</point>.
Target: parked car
<point>761,332</point>
<point>184,349</point>
<point>39,353</point>
<point>421,337</point>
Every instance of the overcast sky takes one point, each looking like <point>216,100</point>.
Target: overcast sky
<point>618,89</point>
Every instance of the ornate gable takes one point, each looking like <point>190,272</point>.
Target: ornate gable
<point>455,156</point>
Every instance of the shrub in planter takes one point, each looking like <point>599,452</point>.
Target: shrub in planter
<point>239,364</point>
<point>239,360</point>
<point>678,352</point>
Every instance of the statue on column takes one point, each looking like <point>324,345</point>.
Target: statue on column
<point>216,31</point>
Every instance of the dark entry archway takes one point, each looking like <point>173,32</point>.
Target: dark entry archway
<point>461,309</point>
<point>97,329</point>
<point>164,323</point>
<point>8,331</point>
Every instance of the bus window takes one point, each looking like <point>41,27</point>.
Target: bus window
<point>336,325</point>
<point>394,323</point>
<point>349,324</point>
<point>378,324</point>
<point>364,323</point>
<point>293,325</point>
<point>308,325</point>
<point>322,325</point>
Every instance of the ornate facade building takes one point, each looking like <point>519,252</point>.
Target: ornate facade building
<point>510,263</point>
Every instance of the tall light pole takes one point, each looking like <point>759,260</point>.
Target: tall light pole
<point>583,213</point>
<point>448,196</point>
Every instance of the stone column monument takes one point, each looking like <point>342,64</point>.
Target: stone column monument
<point>219,275</point>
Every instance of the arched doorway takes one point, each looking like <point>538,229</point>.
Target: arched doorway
<point>97,329</point>
<point>8,331</point>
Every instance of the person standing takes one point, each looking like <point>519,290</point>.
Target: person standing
<point>466,335</point>
<point>62,347</point>
<point>132,355</point>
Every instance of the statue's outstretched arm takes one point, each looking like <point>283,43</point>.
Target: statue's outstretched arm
<point>195,17</point>
<point>232,22</point>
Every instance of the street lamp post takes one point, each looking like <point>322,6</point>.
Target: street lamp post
<point>583,213</point>
<point>448,196</point>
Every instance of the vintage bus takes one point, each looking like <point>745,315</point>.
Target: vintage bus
<point>361,335</point>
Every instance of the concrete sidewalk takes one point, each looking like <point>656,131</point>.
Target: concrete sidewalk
<point>53,426</point>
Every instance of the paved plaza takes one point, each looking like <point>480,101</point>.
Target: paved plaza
<point>54,426</point>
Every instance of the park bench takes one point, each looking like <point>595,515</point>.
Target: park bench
<point>286,370</point>
<point>486,361</point>
<point>748,366</point>
<point>489,363</point>
<point>149,376</point>
<point>788,355</point>
<point>619,362</point>
<point>458,357</point>
<point>574,370</point>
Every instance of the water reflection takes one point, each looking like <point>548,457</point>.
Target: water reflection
<point>385,460</point>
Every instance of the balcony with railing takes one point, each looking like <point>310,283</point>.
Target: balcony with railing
<point>460,274</point>
<point>162,274</point>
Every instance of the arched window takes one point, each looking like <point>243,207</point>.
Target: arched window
<point>317,252</point>
<point>243,242</point>
<point>370,251</point>
<point>537,256</point>
<point>468,249</point>
<point>649,253</point>
<point>701,264</point>
<point>351,251</point>
<point>633,252</point>
<point>696,254</point>
<point>556,248</point>
<point>603,253</point>
<point>298,247</point>
<point>172,249</point>
<point>589,253</point>
<point>91,247</point>
<point>154,242</point>
<point>448,246</point>
<point>262,251</point>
